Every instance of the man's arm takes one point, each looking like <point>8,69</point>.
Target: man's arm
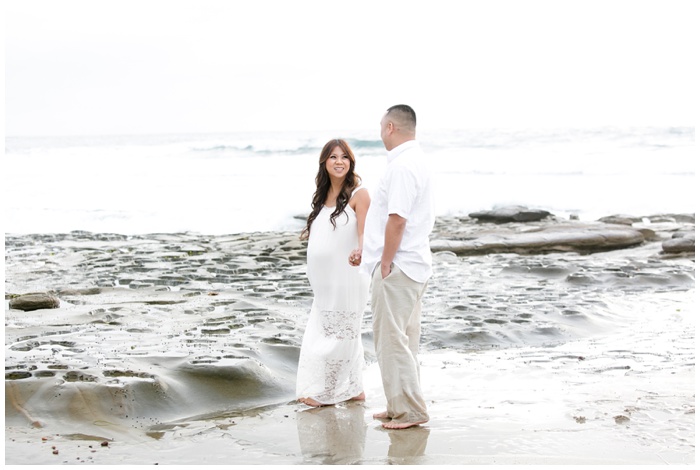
<point>395,227</point>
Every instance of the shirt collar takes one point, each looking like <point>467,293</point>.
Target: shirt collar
<point>396,151</point>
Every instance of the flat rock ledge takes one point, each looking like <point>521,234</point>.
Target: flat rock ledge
<point>506,214</point>
<point>680,243</point>
<point>565,237</point>
<point>519,229</point>
<point>28,302</point>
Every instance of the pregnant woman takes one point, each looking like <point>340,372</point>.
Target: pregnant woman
<point>332,357</point>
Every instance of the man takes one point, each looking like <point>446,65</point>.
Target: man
<point>397,251</point>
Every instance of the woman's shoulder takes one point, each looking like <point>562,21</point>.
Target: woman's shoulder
<point>360,189</point>
<point>359,196</point>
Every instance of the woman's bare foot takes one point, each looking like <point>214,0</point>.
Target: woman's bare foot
<point>395,425</point>
<point>382,415</point>
<point>360,397</point>
<point>311,402</point>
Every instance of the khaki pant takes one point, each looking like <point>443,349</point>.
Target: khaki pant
<point>396,308</point>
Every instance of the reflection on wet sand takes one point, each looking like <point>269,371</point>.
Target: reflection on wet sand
<point>332,434</point>
<point>337,435</point>
<point>407,443</point>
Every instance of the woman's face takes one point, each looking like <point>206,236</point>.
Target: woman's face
<point>338,163</point>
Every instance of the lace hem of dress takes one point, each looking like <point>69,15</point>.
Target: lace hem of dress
<point>339,324</point>
<point>337,386</point>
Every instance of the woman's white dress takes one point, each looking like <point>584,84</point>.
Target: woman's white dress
<point>332,357</point>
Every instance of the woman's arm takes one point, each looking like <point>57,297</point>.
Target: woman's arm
<point>360,204</point>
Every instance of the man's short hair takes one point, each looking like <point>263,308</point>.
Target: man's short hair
<point>404,116</point>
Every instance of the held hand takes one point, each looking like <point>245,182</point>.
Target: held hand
<point>355,257</point>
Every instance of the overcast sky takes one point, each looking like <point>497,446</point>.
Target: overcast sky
<point>77,67</point>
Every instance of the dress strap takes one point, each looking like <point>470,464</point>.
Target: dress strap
<point>355,190</point>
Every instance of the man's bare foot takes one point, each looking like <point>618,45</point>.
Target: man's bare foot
<point>311,402</point>
<point>360,397</point>
<point>395,425</point>
<point>382,415</point>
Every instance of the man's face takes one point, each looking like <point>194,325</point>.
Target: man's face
<point>384,127</point>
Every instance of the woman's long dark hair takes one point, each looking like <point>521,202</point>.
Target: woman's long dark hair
<point>323,185</point>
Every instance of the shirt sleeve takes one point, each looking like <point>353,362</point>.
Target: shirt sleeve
<point>401,191</point>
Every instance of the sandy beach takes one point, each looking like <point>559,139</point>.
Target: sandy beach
<point>181,349</point>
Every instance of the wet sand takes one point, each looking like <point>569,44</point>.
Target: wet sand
<point>182,349</point>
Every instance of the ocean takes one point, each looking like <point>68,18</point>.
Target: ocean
<point>251,182</point>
